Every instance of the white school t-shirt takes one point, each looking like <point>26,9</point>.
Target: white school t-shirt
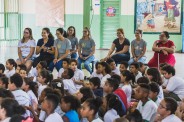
<point>111,115</point>
<point>128,91</point>
<point>78,76</point>
<point>60,72</point>
<point>9,73</point>
<point>69,85</point>
<point>176,85</point>
<point>26,47</point>
<point>34,74</point>
<point>171,118</point>
<point>21,97</point>
<point>104,79</point>
<point>94,74</point>
<point>161,93</point>
<point>54,117</point>
<point>40,89</point>
<point>33,98</point>
<point>139,74</point>
<point>158,101</point>
<point>147,110</point>
<point>116,71</point>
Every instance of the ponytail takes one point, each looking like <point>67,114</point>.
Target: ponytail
<point>129,76</point>
<point>50,34</point>
<point>12,62</point>
<point>48,76</point>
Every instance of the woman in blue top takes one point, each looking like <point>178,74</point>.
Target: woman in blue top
<point>86,50</point>
<point>62,47</point>
<point>71,35</point>
<point>45,47</point>
<point>121,47</point>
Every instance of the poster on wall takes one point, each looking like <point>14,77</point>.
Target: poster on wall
<point>155,16</point>
<point>50,13</point>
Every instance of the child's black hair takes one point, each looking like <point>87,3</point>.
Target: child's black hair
<point>58,84</point>
<point>32,85</point>
<point>169,69</point>
<point>73,60</point>
<point>129,76</point>
<point>107,67</point>
<point>66,60</point>
<point>110,60</point>
<point>87,93</point>
<point>163,64</point>
<point>12,107</point>
<point>70,73</point>
<point>135,116</point>
<point>73,101</point>
<point>53,99</point>
<point>17,80</point>
<point>12,62</point>
<point>47,75</point>
<point>4,93</point>
<point>156,77</point>
<point>17,118</point>
<point>135,64</point>
<point>96,65</point>
<point>114,103</point>
<point>143,80</point>
<point>2,67</point>
<point>146,87</point>
<point>113,83</point>
<point>22,67</point>
<point>95,81</point>
<point>171,104</point>
<point>94,104</point>
<point>125,63</point>
<point>4,81</point>
<point>116,77</point>
<point>43,64</point>
<point>154,87</point>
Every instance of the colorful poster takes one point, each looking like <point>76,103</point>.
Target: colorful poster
<point>154,16</point>
<point>110,12</point>
<point>50,13</point>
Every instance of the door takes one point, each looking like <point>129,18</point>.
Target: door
<point>110,21</point>
<point>9,20</point>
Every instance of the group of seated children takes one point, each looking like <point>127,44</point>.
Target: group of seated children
<point>127,93</point>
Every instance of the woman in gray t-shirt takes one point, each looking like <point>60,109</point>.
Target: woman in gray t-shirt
<point>74,41</point>
<point>138,48</point>
<point>62,50</point>
<point>86,50</point>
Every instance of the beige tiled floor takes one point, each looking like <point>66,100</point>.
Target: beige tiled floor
<point>7,51</point>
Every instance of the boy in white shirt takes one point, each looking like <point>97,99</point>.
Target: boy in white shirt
<point>113,67</point>
<point>65,64</point>
<point>166,111</point>
<point>145,106</point>
<point>49,104</point>
<point>154,91</point>
<point>134,68</point>
<point>175,86</point>
<point>78,77</point>
<point>69,85</point>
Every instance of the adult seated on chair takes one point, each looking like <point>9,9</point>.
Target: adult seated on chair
<point>138,48</point>
<point>86,50</point>
<point>26,47</point>
<point>122,48</point>
<point>62,47</point>
<point>164,50</point>
<point>45,48</point>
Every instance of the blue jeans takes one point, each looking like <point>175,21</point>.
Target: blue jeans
<point>74,55</point>
<point>58,65</point>
<point>121,57</point>
<point>86,63</point>
<point>142,59</point>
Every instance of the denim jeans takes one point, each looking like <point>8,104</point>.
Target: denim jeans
<point>121,57</point>
<point>74,55</point>
<point>86,63</point>
<point>142,59</point>
<point>58,65</point>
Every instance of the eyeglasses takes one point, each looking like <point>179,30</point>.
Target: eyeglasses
<point>162,107</point>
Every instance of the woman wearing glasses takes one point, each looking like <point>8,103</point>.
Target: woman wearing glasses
<point>26,48</point>
<point>163,51</point>
<point>86,50</point>
<point>121,44</point>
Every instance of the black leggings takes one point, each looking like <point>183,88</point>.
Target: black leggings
<point>47,58</point>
